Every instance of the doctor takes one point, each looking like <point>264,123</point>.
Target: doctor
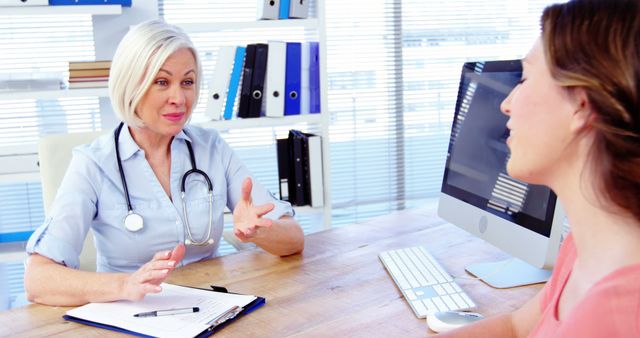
<point>153,190</point>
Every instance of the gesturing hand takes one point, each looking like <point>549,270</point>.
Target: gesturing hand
<point>247,218</point>
<point>148,278</point>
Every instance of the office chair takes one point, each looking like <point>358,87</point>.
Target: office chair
<point>54,156</point>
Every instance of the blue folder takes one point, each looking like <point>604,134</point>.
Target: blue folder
<point>125,3</point>
<point>292,79</point>
<point>284,9</point>
<point>314,78</point>
<point>234,83</point>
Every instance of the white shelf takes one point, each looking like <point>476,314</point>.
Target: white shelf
<point>258,24</point>
<point>53,94</point>
<point>55,10</point>
<point>260,122</point>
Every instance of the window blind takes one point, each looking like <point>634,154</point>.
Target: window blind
<point>394,68</point>
<point>35,54</point>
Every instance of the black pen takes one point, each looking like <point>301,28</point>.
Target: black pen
<point>167,312</point>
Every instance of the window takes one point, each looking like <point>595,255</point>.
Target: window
<point>393,69</point>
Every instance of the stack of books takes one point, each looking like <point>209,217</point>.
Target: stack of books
<point>89,74</point>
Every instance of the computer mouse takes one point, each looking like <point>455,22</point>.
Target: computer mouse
<point>449,320</point>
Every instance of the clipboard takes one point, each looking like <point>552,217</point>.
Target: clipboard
<point>250,307</point>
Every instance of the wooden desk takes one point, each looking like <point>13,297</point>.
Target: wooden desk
<point>337,287</point>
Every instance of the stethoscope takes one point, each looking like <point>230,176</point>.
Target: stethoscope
<point>134,222</point>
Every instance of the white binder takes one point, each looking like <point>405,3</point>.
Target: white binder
<point>315,170</point>
<point>22,3</point>
<point>274,82</point>
<point>268,9</point>
<point>299,9</point>
<point>219,83</point>
<point>305,59</point>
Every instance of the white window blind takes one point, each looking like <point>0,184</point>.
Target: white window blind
<point>394,68</point>
<point>35,54</point>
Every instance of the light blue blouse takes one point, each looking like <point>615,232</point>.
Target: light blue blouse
<point>91,195</point>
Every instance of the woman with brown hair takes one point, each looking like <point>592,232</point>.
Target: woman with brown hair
<point>575,127</point>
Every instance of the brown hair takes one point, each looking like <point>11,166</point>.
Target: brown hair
<point>595,45</point>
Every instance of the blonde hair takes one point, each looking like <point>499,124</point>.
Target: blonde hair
<point>137,60</point>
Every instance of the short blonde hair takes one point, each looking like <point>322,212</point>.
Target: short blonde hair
<point>137,60</point>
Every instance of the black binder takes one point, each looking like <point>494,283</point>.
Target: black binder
<point>294,169</point>
<point>296,139</point>
<point>257,81</point>
<point>255,304</point>
<point>284,169</point>
<point>247,78</point>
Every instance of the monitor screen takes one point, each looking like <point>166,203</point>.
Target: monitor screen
<point>476,162</point>
<point>477,193</point>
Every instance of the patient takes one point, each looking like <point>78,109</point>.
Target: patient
<point>575,127</point>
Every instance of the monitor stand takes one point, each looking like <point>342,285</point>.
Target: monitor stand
<point>508,273</point>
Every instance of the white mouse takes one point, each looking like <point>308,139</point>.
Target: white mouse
<point>449,320</point>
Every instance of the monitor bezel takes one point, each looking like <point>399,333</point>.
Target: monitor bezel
<point>456,206</point>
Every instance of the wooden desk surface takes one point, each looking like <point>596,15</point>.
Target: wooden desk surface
<point>337,287</point>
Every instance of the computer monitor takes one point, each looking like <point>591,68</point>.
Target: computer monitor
<point>479,196</point>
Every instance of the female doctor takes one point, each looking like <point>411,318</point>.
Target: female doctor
<point>153,190</point>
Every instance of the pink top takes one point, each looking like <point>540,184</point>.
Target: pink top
<point>611,308</point>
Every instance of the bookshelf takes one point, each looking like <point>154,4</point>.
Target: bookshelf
<point>52,94</point>
<point>58,10</point>
<point>110,23</point>
<point>312,24</point>
<point>250,25</point>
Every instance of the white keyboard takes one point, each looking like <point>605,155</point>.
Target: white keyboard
<point>426,286</point>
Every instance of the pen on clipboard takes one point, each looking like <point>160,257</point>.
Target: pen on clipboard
<point>232,312</point>
<point>168,312</point>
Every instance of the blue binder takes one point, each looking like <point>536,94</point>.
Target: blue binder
<point>234,83</point>
<point>284,9</point>
<point>292,79</point>
<point>247,77</point>
<point>314,78</point>
<point>125,3</point>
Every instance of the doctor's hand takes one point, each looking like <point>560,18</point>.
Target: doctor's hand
<point>147,279</point>
<point>247,218</point>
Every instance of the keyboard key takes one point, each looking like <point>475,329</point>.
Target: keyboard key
<point>459,301</point>
<point>439,289</point>
<point>451,305</point>
<point>440,304</point>
<point>420,308</point>
<point>410,294</point>
<point>429,305</point>
<point>468,300</point>
<point>448,288</point>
